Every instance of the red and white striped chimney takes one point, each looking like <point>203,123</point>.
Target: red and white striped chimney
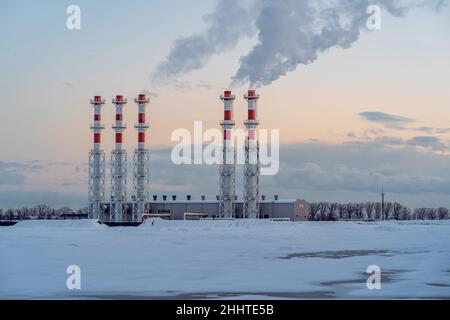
<point>252,166</point>
<point>96,164</point>
<point>97,128</point>
<point>228,123</point>
<point>227,168</point>
<point>119,127</point>
<point>119,166</point>
<point>141,158</point>
<point>141,126</point>
<point>252,120</point>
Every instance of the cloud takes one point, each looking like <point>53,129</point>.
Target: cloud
<point>388,120</point>
<point>13,173</point>
<point>17,199</point>
<point>69,183</point>
<point>428,142</point>
<point>293,33</point>
<point>425,129</point>
<point>354,171</point>
<point>32,166</point>
<point>396,122</point>
<point>167,177</point>
<point>290,33</point>
<point>366,134</point>
<point>225,26</point>
<point>390,141</point>
<point>351,171</point>
<point>441,130</point>
<point>150,93</point>
<point>59,163</point>
<point>11,178</point>
<point>432,130</point>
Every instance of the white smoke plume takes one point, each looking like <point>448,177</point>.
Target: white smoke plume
<point>229,22</point>
<point>293,32</point>
<point>290,33</point>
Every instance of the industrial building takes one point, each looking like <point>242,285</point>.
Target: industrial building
<point>187,209</point>
<point>226,205</point>
<point>268,209</point>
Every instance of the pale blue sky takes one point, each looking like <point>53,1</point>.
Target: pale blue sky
<point>48,73</point>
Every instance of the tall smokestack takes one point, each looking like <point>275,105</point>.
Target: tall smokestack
<point>252,166</point>
<point>118,166</point>
<point>97,164</point>
<point>141,158</point>
<point>227,168</point>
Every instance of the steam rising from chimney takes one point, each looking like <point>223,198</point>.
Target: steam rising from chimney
<point>226,25</point>
<point>290,33</point>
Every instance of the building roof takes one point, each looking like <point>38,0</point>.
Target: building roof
<point>183,201</point>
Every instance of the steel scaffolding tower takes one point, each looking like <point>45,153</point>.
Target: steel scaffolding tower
<point>227,167</point>
<point>97,165</point>
<point>141,172</point>
<point>118,167</point>
<point>252,165</point>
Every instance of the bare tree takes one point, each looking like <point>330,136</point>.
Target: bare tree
<point>431,214</point>
<point>377,208</point>
<point>83,212</point>
<point>405,213</point>
<point>387,210</point>
<point>351,211</point>
<point>63,213</point>
<point>42,211</point>
<point>420,213</point>
<point>313,210</point>
<point>25,212</point>
<point>9,214</point>
<point>396,210</point>
<point>359,210</point>
<point>323,210</point>
<point>370,209</point>
<point>333,207</point>
<point>342,211</point>
<point>442,213</point>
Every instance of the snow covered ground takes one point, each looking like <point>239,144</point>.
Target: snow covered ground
<point>225,259</point>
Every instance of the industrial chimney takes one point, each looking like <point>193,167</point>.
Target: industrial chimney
<point>97,164</point>
<point>227,168</point>
<point>141,157</point>
<point>118,167</point>
<point>252,166</point>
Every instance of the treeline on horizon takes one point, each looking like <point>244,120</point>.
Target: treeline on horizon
<point>334,211</point>
<point>43,212</point>
<point>318,211</point>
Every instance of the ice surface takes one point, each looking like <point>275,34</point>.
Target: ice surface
<point>225,259</point>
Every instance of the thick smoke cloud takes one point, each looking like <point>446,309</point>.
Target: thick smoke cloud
<point>293,33</point>
<point>290,33</point>
<point>226,25</point>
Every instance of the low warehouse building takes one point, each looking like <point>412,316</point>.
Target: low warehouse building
<point>173,209</point>
<point>295,210</point>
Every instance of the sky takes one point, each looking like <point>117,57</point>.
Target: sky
<point>355,110</point>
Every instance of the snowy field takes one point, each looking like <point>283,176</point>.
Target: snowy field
<point>225,259</point>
